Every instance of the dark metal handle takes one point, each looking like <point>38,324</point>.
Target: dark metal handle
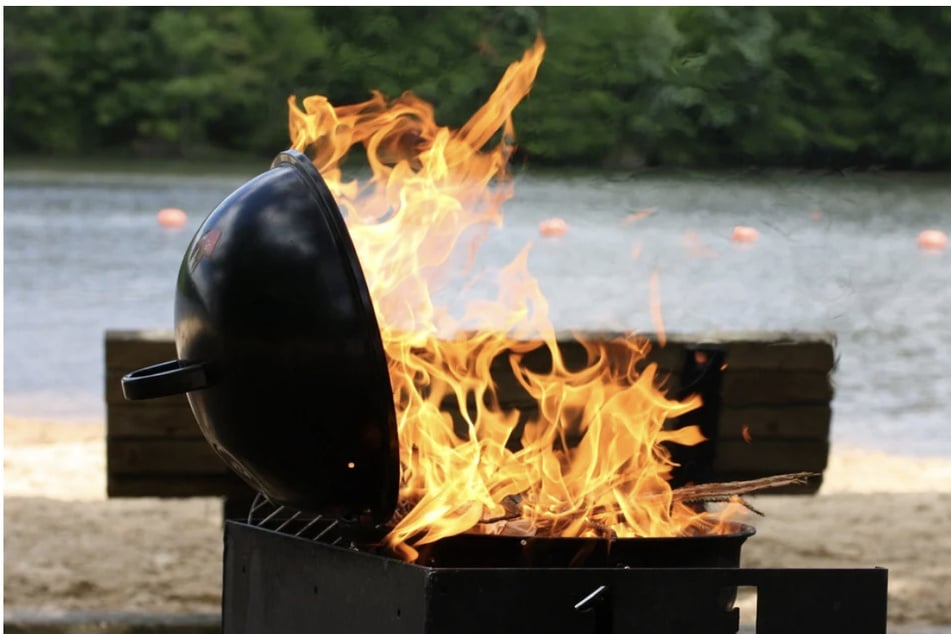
<point>598,604</point>
<point>165,379</point>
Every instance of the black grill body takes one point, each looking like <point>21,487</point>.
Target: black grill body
<point>279,582</point>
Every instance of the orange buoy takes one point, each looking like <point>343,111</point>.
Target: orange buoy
<point>552,227</point>
<point>171,217</point>
<point>815,216</point>
<point>932,240</point>
<point>744,234</point>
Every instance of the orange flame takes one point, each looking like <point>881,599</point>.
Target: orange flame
<point>590,456</point>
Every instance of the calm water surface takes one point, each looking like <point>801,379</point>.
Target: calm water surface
<point>83,253</point>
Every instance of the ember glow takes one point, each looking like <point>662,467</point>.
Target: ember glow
<point>590,461</point>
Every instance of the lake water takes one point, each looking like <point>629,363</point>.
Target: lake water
<point>83,253</point>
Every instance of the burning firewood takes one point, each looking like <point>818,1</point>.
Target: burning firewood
<point>722,491</point>
<point>511,523</point>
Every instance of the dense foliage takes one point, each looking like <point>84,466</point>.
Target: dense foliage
<point>700,86</point>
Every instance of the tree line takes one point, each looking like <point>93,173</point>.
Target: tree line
<point>619,86</point>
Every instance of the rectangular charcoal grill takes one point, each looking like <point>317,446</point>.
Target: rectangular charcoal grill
<point>289,572</point>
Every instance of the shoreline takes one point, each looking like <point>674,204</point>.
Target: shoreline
<point>69,547</point>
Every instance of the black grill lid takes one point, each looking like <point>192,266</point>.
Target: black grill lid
<point>279,349</point>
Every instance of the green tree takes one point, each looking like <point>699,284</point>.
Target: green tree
<point>71,73</point>
<point>451,57</point>
<point>228,71</point>
<point>594,90</point>
<point>699,86</point>
<point>719,75</point>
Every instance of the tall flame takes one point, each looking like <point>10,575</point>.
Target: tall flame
<point>590,460</point>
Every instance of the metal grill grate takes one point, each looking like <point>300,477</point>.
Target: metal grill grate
<point>289,521</point>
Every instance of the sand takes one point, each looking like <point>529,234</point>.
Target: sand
<point>68,547</point>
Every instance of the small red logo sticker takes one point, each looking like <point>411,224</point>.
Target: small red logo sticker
<point>204,247</point>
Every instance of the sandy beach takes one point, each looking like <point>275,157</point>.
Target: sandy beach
<point>68,547</point>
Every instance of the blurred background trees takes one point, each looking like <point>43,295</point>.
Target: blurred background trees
<point>619,86</point>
